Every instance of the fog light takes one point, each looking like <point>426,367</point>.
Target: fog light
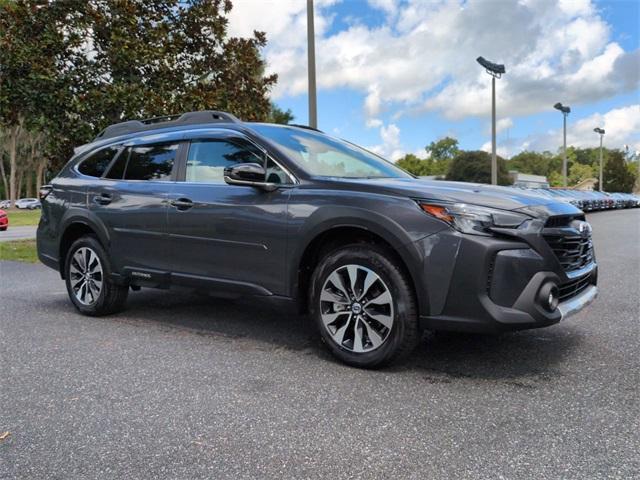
<point>552,302</point>
<point>549,296</point>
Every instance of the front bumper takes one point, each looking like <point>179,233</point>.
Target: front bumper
<point>575,304</point>
<point>498,284</point>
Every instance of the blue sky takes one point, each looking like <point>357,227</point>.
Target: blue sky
<point>394,75</point>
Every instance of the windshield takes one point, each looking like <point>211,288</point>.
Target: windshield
<point>321,155</point>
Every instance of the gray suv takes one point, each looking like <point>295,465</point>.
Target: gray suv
<point>291,215</point>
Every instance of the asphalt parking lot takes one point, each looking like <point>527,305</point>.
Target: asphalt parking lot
<point>185,387</point>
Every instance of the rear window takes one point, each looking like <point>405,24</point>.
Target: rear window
<point>151,162</point>
<point>96,164</point>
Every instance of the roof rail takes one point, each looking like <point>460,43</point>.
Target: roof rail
<point>189,118</point>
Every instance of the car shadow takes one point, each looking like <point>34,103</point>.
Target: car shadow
<point>523,359</point>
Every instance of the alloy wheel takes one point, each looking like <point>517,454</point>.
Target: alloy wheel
<point>356,308</point>
<point>86,275</point>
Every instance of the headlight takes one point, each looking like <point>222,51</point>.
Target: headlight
<point>473,219</point>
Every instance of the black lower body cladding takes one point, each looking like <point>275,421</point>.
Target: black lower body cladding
<point>496,285</point>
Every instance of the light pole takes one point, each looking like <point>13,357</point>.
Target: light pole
<point>565,112</point>
<point>600,131</point>
<point>496,71</point>
<point>311,66</point>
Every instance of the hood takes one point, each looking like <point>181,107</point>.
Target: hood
<point>505,198</point>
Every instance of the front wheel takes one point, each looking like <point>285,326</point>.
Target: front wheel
<point>87,278</point>
<point>364,306</point>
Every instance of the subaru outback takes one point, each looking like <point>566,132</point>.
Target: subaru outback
<point>294,216</point>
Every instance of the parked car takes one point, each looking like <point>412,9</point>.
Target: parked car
<point>296,217</point>
<point>606,202</point>
<point>4,220</point>
<point>28,203</point>
<point>5,203</point>
<point>634,200</point>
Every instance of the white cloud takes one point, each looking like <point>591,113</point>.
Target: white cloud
<point>373,123</point>
<point>422,153</point>
<point>622,127</point>
<point>390,147</point>
<point>501,150</point>
<point>502,124</point>
<point>389,6</point>
<point>423,57</point>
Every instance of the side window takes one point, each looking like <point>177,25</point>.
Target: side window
<point>151,162</point>
<point>275,174</point>
<point>96,164</point>
<point>207,159</point>
<point>116,172</point>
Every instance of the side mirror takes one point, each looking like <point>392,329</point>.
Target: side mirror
<point>248,175</point>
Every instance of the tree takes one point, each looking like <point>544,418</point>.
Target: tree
<point>617,176</point>
<point>579,172</point>
<point>38,43</point>
<point>441,153</point>
<point>277,115</point>
<point>180,59</point>
<point>70,68</point>
<point>535,163</point>
<point>415,165</point>
<point>475,166</point>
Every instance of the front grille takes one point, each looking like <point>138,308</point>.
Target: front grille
<point>572,251</point>
<point>574,287</point>
<point>562,220</point>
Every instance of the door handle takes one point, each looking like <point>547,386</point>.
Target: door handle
<point>182,204</point>
<point>103,199</point>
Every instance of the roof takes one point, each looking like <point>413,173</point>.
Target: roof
<point>189,118</point>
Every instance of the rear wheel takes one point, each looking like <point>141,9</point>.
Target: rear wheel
<point>87,278</point>
<point>364,306</point>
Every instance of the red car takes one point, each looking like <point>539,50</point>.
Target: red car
<point>4,220</point>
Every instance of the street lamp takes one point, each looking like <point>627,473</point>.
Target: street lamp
<point>311,66</point>
<point>496,71</point>
<point>565,111</point>
<point>600,131</point>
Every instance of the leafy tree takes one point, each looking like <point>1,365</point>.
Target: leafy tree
<point>579,172</point>
<point>39,45</point>
<point>415,165</point>
<point>475,166</point>
<point>277,115</point>
<point>70,68</point>
<point>555,179</point>
<point>179,59</point>
<point>441,153</point>
<point>617,176</point>
<point>535,163</point>
<point>444,149</point>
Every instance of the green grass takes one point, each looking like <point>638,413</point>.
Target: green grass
<point>19,251</point>
<point>20,218</point>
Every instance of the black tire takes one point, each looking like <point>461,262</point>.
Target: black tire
<point>111,297</point>
<point>402,338</point>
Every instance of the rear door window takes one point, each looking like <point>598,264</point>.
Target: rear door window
<point>151,162</point>
<point>96,164</point>
<point>116,171</point>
